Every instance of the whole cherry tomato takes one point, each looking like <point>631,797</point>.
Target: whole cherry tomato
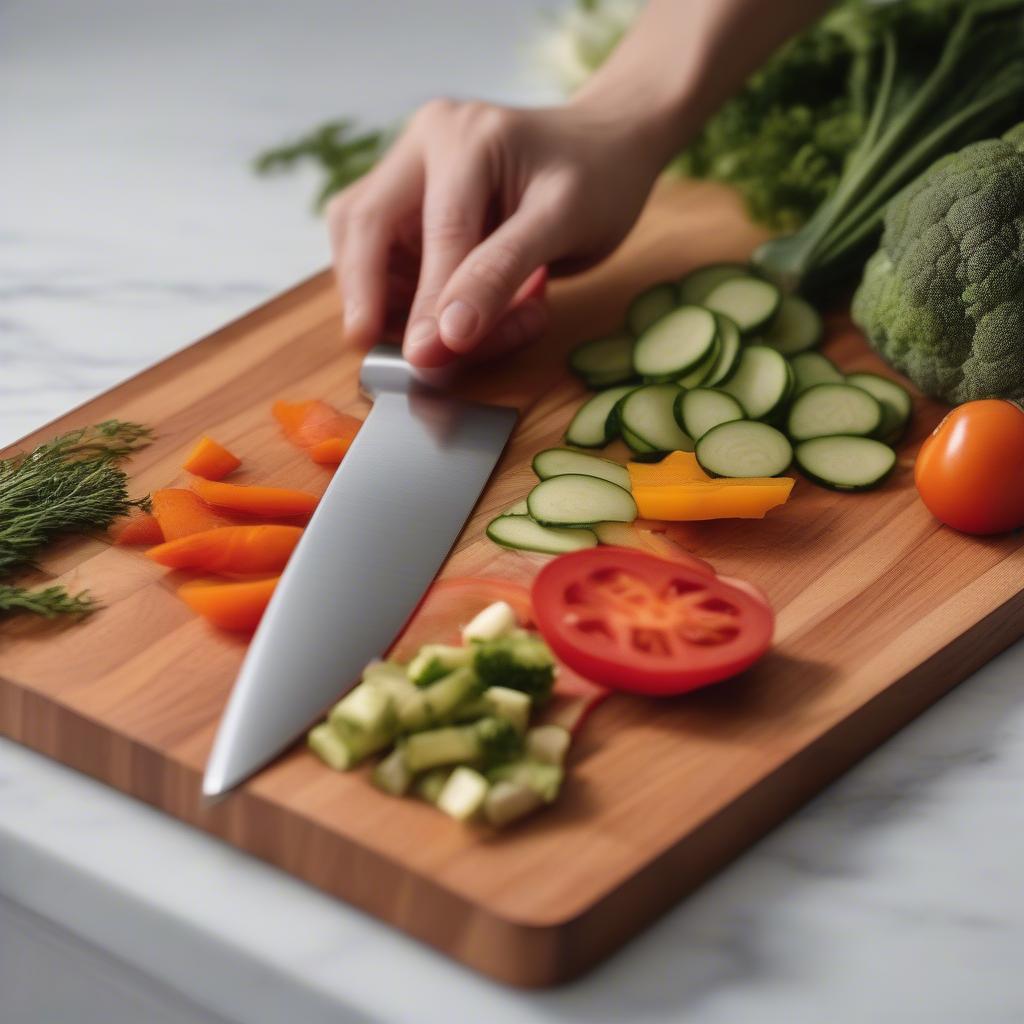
<point>970,471</point>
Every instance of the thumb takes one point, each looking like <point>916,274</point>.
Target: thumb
<point>487,280</point>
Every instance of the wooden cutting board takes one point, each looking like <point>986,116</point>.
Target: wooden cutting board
<point>880,611</point>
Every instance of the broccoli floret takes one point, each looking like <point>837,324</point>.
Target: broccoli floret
<point>943,298</point>
<point>521,661</point>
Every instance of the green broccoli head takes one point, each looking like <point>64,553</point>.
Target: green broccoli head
<point>943,298</point>
<point>518,662</point>
<point>497,740</point>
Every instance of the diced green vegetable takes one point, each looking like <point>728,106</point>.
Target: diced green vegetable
<point>434,661</point>
<point>392,774</point>
<point>544,779</point>
<point>512,705</point>
<point>520,662</point>
<point>430,785</point>
<point>548,744</point>
<point>463,794</point>
<point>507,802</point>
<point>365,708</point>
<point>488,741</point>
<point>496,620</point>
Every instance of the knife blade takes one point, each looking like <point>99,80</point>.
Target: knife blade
<point>384,526</point>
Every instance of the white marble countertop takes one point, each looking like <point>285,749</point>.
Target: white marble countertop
<point>129,225</point>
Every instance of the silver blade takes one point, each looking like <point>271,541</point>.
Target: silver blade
<point>380,533</point>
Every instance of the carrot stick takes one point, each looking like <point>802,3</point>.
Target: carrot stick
<point>138,528</point>
<point>235,606</point>
<point>211,460</point>
<point>329,452</point>
<point>255,501</point>
<point>244,549</point>
<point>180,512</point>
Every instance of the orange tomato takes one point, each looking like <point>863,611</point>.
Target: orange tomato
<point>970,471</point>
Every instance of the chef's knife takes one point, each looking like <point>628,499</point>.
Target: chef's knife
<point>381,531</point>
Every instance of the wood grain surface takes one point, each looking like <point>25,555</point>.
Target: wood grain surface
<point>880,611</point>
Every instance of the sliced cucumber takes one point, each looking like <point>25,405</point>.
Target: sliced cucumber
<point>650,306</point>
<point>699,410</point>
<point>675,345</point>
<point>699,283</point>
<point>812,368</point>
<point>648,414</point>
<point>595,424</point>
<point>559,461</point>
<point>703,369</point>
<point>744,449</point>
<point>845,463</point>
<point>749,301</point>
<point>761,382</point>
<point>894,400</point>
<point>604,361</point>
<point>575,500</point>
<point>728,351</point>
<point>829,409</point>
<point>518,509</point>
<point>523,534</point>
<point>796,327</point>
<point>642,451</point>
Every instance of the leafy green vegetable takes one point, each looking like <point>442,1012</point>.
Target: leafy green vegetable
<point>926,102</point>
<point>343,155</point>
<point>943,298</point>
<point>71,484</point>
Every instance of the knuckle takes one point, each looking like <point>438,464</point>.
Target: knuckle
<point>433,110</point>
<point>447,224</point>
<point>494,270</point>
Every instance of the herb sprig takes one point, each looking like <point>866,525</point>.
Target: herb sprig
<point>72,484</point>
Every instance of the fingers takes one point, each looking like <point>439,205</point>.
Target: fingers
<point>363,222</point>
<point>485,283</point>
<point>454,205</point>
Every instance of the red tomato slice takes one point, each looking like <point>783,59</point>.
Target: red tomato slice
<point>636,622</point>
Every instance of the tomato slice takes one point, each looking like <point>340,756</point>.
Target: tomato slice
<point>636,622</point>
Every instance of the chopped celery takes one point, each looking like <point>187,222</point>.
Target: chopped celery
<point>366,707</point>
<point>508,801</point>
<point>511,705</point>
<point>392,774</point>
<point>463,794</point>
<point>548,744</point>
<point>544,779</point>
<point>494,621</point>
<point>434,661</point>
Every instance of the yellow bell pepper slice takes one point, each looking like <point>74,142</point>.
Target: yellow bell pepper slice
<point>712,499</point>
<point>675,468</point>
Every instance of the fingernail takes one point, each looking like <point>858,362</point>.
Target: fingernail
<point>458,324</point>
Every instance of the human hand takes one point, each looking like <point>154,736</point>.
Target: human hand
<point>451,232</point>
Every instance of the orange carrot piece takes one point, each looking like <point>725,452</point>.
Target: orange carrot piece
<point>313,423</point>
<point>180,512</point>
<point>255,501</point>
<point>138,528</point>
<point>329,452</point>
<point>235,606</point>
<point>244,549</point>
<point>211,460</point>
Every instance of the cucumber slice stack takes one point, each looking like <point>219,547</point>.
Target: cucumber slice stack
<point>721,348</point>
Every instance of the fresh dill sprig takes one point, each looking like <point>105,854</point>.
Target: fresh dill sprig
<point>49,602</point>
<point>72,484</point>
<point>342,155</point>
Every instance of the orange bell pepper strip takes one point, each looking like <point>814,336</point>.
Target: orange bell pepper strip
<point>329,452</point>
<point>211,460</point>
<point>255,501</point>
<point>675,468</point>
<point>138,528</point>
<point>180,512</point>
<point>712,499</point>
<point>312,424</point>
<point>242,549</point>
<point>235,606</point>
